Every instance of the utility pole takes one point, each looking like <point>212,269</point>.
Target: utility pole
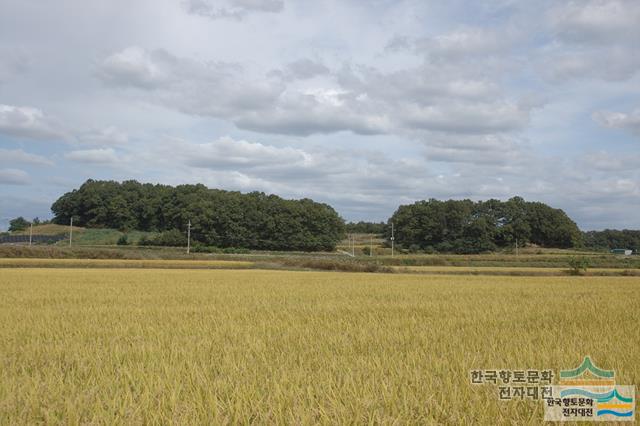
<point>189,237</point>
<point>370,245</point>
<point>71,231</point>
<point>30,232</point>
<point>392,239</point>
<point>516,246</point>
<point>353,245</point>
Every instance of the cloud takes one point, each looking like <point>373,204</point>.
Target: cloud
<point>465,43</point>
<point>254,160</point>
<point>228,153</point>
<point>93,156</point>
<point>597,21</point>
<point>14,177</point>
<point>365,101</point>
<point>107,136</point>
<point>13,156</point>
<point>28,123</point>
<point>606,162</point>
<point>592,39</point>
<point>306,68</point>
<point>619,120</point>
<point>497,150</point>
<point>234,9</point>
<point>480,118</point>
<point>216,89</point>
<point>135,67</point>
<point>321,111</point>
<point>612,64</point>
<point>13,62</point>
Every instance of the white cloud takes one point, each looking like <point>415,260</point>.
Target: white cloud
<point>203,88</point>
<point>229,153</point>
<point>107,136</point>
<point>12,156</point>
<point>593,39</point>
<point>363,102</point>
<point>306,68</point>
<point>480,118</point>
<point>606,162</point>
<point>612,64</point>
<point>27,122</point>
<point>14,177</point>
<point>134,66</point>
<point>93,156</point>
<point>13,62</point>
<point>597,21</point>
<point>497,150</point>
<point>465,43</point>
<point>620,120</point>
<point>236,9</point>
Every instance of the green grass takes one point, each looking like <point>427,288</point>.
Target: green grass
<point>86,236</point>
<point>97,237</point>
<point>49,229</point>
<point>275,347</point>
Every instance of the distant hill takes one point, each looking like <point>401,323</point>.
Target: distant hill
<point>218,218</point>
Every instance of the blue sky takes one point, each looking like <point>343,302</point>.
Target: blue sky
<point>362,104</point>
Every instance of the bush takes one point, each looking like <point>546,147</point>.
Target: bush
<point>145,241</point>
<point>578,265</point>
<point>205,249</point>
<point>18,224</point>
<point>234,250</point>
<point>172,238</point>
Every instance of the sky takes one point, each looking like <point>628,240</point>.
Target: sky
<point>364,105</point>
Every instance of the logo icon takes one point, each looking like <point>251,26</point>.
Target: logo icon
<point>590,393</point>
<point>587,374</point>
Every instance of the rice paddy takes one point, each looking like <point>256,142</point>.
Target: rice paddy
<point>151,346</point>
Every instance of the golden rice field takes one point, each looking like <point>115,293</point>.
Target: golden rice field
<point>149,346</point>
<point>507,270</point>
<point>123,263</point>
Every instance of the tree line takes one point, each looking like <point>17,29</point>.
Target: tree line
<point>255,220</point>
<point>612,239</point>
<point>218,218</point>
<point>464,226</point>
<point>363,227</point>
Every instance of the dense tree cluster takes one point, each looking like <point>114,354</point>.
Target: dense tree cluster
<point>365,227</point>
<point>612,239</point>
<point>464,226</point>
<point>18,224</point>
<point>218,218</point>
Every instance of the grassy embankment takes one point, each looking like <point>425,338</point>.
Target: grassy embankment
<point>86,236</point>
<point>100,244</point>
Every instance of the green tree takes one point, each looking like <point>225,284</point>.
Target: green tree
<point>18,224</point>
<point>464,226</point>
<point>218,218</point>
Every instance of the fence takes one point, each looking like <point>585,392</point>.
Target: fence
<point>36,239</point>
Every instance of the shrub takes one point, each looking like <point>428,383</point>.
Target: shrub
<point>578,265</point>
<point>172,238</point>
<point>18,224</point>
<point>145,241</point>
<point>205,249</point>
<point>123,240</point>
